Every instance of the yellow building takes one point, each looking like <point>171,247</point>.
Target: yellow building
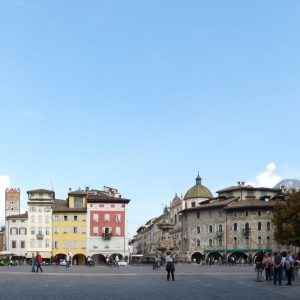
<point>70,227</point>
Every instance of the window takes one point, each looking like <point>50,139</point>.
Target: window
<point>40,230</point>
<point>32,230</point>
<point>55,244</point>
<point>95,217</point>
<point>74,245</point>
<point>210,242</point>
<point>193,204</point>
<point>247,227</point>
<point>55,218</point>
<point>95,230</point>
<point>106,229</point>
<point>83,230</point>
<point>198,243</point>
<point>234,241</point>
<point>198,215</point>
<point>14,244</point>
<point>268,226</point>
<point>106,218</point>
<point>47,219</point>
<point>23,244</point>
<point>250,194</point>
<point>235,227</point>
<point>32,209</point>
<point>220,241</point>
<point>75,229</point>
<point>14,231</point>
<point>65,218</point>
<point>220,228</point>
<point>83,217</point>
<point>118,218</point>
<point>47,209</point>
<point>65,230</point>
<point>268,240</point>
<point>40,219</point>
<point>259,226</point>
<point>75,218</point>
<point>246,240</point>
<point>210,228</point>
<point>246,213</point>
<point>65,244</point>
<point>118,231</point>
<point>47,244</point>
<point>40,209</point>
<point>55,230</point>
<point>259,240</point>
<point>47,231</point>
<point>32,243</point>
<point>78,202</point>
<point>40,243</point>
<point>83,244</point>
<point>259,213</point>
<point>32,219</point>
<point>198,229</point>
<point>23,231</point>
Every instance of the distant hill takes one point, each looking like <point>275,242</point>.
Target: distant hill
<point>290,184</point>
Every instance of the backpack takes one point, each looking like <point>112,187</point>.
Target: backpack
<point>287,264</point>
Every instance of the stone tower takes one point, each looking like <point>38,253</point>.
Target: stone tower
<point>12,202</point>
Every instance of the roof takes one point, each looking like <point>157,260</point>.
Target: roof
<point>198,191</point>
<point>78,192</point>
<point>40,191</point>
<point>20,216</point>
<point>215,203</point>
<point>103,198</point>
<point>252,203</point>
<point>247,187</point>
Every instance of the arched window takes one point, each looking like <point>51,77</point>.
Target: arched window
<point>259,240</point>
<point>235,227</point>
<point>246,240</point>
<point>198,229</point>
<point>268,226</point>
<point>175,219</point>
<point>210,228</point>
<point>235,241</point>
<point>268,240</point>
<point>259,226</point>
<point>247,226</point>
<point>210,242</point>
<point>220,241</point>
<point>220,228</point>
<point>198,243</point>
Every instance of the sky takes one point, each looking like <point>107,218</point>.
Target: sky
<point>143,95</point>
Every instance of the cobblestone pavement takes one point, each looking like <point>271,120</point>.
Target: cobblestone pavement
<point>140,282</point>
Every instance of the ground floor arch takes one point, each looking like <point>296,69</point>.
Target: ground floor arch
<point>119,255</point>
<point>99,259</point>
<point>197,257</point>
<point>238,258</point>
<point>79,259</point>
<point>213,257</point>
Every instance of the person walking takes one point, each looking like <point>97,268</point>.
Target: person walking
<point>68,261</point>
<point>33,262</point>
<point>117,261</point>
<point>259,266</point>
<point>39,261</point>
<point>170,266</point>
<point>277,268</point>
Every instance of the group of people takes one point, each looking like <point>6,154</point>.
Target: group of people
<point>36,261</point>
<point>279,267</point>
<point>110,261</point>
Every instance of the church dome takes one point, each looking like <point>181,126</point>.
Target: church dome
<point>198,190</point>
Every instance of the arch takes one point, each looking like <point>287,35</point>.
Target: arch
<point>197,256</point>
<point>213,256</point>
<point>99,259</point>
<point>120,256</point>
<point>239,257</point>
<point>59,256</point>
<point>79,259</point>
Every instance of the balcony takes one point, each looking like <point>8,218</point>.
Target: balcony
<point>106,235</point>
<point>39,236</point>
<point>220,234</point>
<point>246,231</point>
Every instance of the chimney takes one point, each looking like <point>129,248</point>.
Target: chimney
<point>243,183</point>
<point>87,188</point>
<point>239,183</point>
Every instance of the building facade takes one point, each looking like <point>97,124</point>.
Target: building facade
<point>39,233</point>
<point>106,224</point>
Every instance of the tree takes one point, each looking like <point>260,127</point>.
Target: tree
<point>287,220</point>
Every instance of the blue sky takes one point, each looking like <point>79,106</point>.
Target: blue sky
<point>140,95</point>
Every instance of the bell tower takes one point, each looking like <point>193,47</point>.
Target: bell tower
<point>12,202</point>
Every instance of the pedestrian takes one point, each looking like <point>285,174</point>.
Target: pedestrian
<point>259,266</point>
<point>117,261</point>
<point>277,267</point>
<point>288,266</point>
<point>268,265</point>
<point>170,266</point>
<point>68,261</point>
<point>33,262</point>
<point>39,261</point>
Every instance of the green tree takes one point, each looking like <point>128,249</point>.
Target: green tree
<point>287,220</point>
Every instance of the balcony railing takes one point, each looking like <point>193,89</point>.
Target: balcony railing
<point>39,236</point>
<point>106,235</point>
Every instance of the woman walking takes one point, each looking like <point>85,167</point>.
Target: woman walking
<point>170,266</point>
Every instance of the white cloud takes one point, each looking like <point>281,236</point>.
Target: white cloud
<point>267,178</point>
<point>4,183</point>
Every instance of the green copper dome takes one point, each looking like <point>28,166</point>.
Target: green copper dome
<point>198,190</point>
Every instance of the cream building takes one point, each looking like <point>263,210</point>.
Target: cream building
<point>39,229</point>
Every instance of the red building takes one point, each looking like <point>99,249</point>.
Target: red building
<point>107,224</point>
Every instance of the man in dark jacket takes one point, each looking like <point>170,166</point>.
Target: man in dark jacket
<point>277,268</point>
